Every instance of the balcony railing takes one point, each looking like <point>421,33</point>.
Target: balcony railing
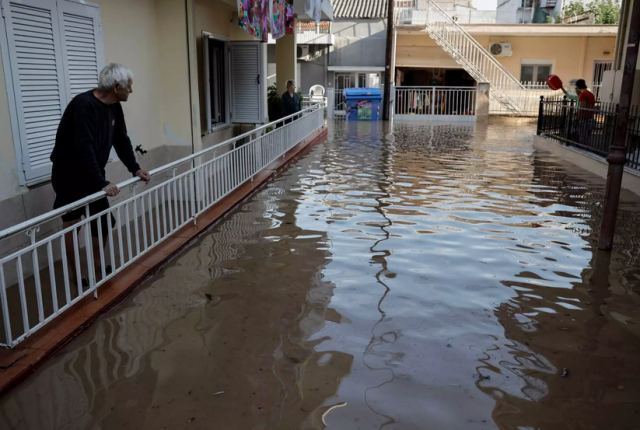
<point>56,268</point>
<point>591,129</point>
<point>434,100</point>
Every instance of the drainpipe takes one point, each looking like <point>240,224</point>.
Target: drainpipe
<point>617,153</point>
<point>188,28</point>
<point>388,73</point>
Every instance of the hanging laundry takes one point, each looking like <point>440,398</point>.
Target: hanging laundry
<point>290,19</point>
<point>253,17</point>
<point>313,9</point>
<point>278,18</point>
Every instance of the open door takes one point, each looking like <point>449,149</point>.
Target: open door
<point>248,82</point>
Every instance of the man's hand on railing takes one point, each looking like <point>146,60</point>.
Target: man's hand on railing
<point>143,174</point>
<point>111,189</point>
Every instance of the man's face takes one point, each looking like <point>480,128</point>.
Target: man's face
<point>122,92</point>
<point>291,88</point>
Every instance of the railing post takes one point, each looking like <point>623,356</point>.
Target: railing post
<point>540,115</point>
<point>433,100</point>
<point>564,117</point>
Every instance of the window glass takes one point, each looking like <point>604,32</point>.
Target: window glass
<point>217,78</point>
<point>526,73</point>
<point>543,72</point>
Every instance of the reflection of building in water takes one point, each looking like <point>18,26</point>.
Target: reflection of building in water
<point>571,332</point>
<point>222,333</point>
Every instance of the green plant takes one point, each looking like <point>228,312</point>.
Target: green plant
<point>605,11</point>
<point>573,8</point>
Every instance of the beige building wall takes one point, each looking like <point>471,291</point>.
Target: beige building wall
<point>419,50</point>
<point>8,162</point>
<point>220,20</point>
<point>571,56</point>
<point>163,113</point>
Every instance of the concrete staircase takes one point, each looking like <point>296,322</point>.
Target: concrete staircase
<point>465,50</point>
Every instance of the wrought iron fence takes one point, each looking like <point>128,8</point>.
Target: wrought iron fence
<point>434,100</point>
<point>56,268</point>
<point>591,129</point>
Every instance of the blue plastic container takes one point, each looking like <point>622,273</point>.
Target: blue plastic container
<point>363,103</point>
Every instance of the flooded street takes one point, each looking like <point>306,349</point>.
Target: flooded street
<point>437,277</point>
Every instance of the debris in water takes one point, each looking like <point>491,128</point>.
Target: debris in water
<point>218,393</point>
<point>565,372</point>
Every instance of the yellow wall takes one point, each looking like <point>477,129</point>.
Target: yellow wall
<point>413,50</point>
<point>151,38</point>
<point>572,57</point>
<point>8,163</point>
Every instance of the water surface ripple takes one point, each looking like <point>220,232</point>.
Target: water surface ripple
<point>433,277</point>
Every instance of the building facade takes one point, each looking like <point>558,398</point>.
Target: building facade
<point>199,79</point>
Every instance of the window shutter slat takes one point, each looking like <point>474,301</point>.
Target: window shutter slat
<point>247,89</point>
<point>82,51</point>
<point>37,74</point>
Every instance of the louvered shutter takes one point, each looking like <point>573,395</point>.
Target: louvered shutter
<point>82,52</point>
<point>36,69</point>
<point>248,91</point>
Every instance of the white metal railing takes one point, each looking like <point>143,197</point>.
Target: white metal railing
<point>528,99</point>
<point>469,53</point>
<point>433,100</point>
<point>43,278</point>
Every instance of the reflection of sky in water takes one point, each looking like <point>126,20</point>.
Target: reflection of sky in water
<point>425,236</point>
<point>438,277</point>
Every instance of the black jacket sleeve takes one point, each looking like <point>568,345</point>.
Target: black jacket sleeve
<point>122,143</point>
<point>83,146</point>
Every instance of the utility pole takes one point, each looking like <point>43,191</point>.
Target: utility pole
<point>388,73</point>
<point>618,152</point>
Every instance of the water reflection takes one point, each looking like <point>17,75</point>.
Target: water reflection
<point>422,277</point>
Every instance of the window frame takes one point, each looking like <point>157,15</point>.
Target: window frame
<point>15,116</point>
<point>210,126</point>
<point>536,63</point>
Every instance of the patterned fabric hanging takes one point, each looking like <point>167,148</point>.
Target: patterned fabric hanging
<point>290,19</point>
<point>313,9</point>
<point>253,17</point>
<point>278,15</point>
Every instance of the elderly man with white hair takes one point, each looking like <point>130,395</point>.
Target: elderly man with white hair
<point>91,125</point>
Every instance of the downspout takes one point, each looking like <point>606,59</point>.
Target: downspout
<point>622,33</point>
<point>188,28</point>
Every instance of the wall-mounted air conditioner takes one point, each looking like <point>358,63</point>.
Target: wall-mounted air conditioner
<point>501,49</point>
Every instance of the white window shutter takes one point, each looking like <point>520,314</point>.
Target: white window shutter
<point>248,90</point>
<point>82,47</point>
<point>36,69</point>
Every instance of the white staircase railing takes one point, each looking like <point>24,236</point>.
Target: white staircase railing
<point>467,52</point>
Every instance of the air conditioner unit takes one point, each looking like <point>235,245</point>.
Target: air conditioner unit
<point>501,49</point>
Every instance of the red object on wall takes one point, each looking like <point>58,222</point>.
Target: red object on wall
<point>554,82</point>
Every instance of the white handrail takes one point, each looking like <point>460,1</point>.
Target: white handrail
<point>42,278</point>
<point>55,213</point>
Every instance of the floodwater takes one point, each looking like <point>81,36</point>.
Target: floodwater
<point>436,277</point>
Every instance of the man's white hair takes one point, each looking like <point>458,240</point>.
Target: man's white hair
<point>114,74</point>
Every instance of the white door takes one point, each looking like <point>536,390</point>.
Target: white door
<point>248,82</point>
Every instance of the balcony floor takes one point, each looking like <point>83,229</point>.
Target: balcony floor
<point>440,274</point>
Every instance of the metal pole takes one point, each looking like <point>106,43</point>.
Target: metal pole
<point>388,75</point>
<point>617,153</point>
<point>540,115</point>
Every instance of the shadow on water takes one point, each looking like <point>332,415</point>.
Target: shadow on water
<point>427,276</point>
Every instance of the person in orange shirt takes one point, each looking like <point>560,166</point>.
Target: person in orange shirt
<point>585,111</point>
